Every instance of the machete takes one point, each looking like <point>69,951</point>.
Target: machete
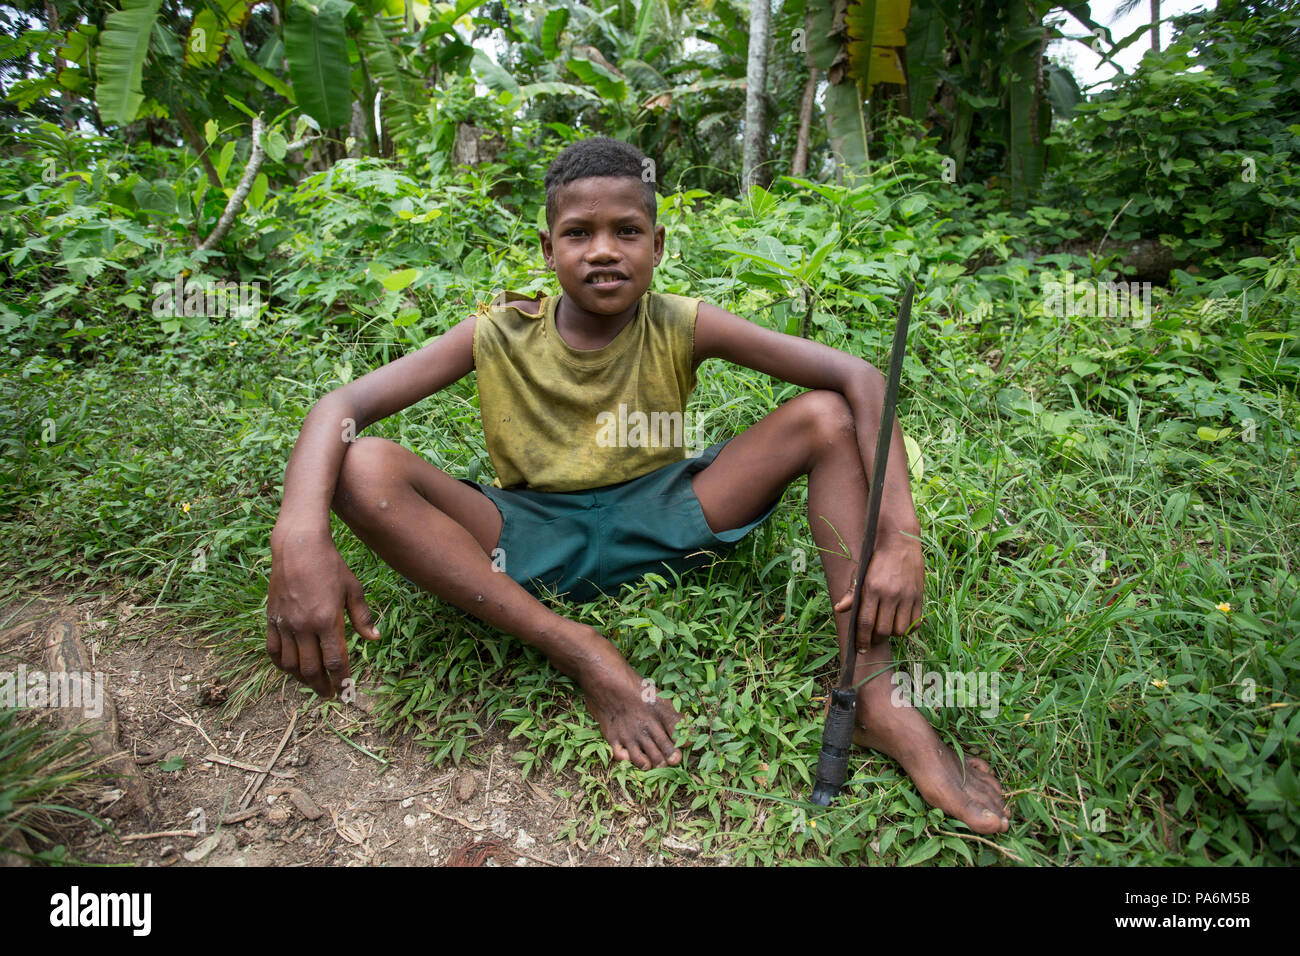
<point>833,761</point>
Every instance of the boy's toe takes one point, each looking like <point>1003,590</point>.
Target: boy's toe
<point>650,747</point>
<point>638,756</point>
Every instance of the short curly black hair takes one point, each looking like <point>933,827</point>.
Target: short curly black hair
<point>600,156</point>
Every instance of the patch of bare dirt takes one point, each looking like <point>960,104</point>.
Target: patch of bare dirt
<point>337,792</point>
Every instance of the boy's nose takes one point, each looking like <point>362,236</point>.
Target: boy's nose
<point>602,251</point>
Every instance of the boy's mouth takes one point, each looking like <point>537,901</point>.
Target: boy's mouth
<point>606,279</point>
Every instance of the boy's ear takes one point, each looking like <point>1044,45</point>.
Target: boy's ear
<point>660,232</point>
<point>548,252</point>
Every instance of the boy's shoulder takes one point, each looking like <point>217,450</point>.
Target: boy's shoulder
<point>530,305</point>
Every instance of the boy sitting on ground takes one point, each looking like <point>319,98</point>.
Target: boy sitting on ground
<point>579,508</point>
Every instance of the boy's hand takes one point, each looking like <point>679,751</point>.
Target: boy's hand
<point>891,601</point>
<point>309,587</point>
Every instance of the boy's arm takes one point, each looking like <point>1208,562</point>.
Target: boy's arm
<point>310,585</point>
<point>895,586</point>
<point>314,464</point>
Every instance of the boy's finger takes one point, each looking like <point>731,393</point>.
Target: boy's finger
<point>363,619</point>
<point>334,657</point>
<point>273,642</point>
<point>310,667</point>
<point>866,623</point>
<point>886,613</point>
<point>903,619</point>
<point>289,652</point>
<point>841,604</point>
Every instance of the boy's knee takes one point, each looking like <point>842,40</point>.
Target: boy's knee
<point>366,463</point>
<point>829,415</point>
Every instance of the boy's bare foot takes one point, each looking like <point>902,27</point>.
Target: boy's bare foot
<point>970,793</point>
<point>635,721</point>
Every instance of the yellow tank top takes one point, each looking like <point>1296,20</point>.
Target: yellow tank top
<point>556,418</point>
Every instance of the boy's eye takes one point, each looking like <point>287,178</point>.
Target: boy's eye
<point>576,231</point>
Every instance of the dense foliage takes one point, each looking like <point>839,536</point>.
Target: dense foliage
<point>1199,146</point>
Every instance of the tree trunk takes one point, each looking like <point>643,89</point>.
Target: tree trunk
<point>60,63</point>
<point>760,18</point>
<point>1155,25</point>
<point>799,167</point>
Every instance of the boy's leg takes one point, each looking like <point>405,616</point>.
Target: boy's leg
<point>814,434</point>
<point>439,533</point>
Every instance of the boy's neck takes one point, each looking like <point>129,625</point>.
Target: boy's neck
<point>583,330</point>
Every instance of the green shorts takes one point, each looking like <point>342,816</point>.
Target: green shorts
<point>583,543</point>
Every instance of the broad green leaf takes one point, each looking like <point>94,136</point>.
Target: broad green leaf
<point>120,62</point>
<point>493,75</point>
<point>781,268</point>
<point>409,215</point>
<point>645,18</point>
<point>1061,89</point>
<point>209,31</point>
<point>558,89</point>
<point>317,48</point>
<point>919,853</point>
<point>809,272</point>
<point>397,95</point>
<point>224,160</point>
<point>915,460</point>
<point>396,281</point>
<point>242,107</point>
<point>609,86</point>
<point>554,24</point>
<point>644,76</point>
<point>155,197</point>
<point>909,206</point>
<point>846,124</point>
<point>76,44</point>
<point>925,52</point>
<point>257,195</point>
<point>276,146</point>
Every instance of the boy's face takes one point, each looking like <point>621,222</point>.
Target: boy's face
<point>601,244</point>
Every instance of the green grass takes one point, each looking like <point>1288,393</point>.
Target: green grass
<point>44,773</point>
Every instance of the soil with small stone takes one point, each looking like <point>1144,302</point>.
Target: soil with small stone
<point>340,793</point>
